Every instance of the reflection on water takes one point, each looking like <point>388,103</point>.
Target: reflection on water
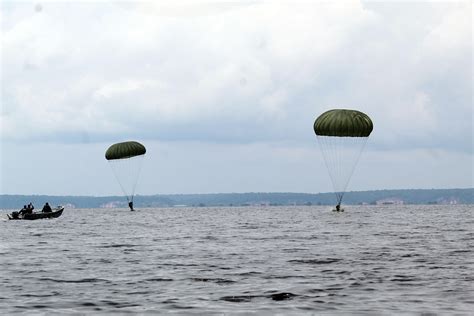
<point>285,260</point>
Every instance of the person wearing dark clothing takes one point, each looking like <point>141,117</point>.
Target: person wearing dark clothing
<point>130,204</point>
<point>338,208</point>
<point>23,211</point>
<point>47,208</point>
<point>30,208</point>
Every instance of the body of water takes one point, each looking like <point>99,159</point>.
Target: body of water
<point>262,260</point>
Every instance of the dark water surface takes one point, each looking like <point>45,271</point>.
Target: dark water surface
<point>262,260</point>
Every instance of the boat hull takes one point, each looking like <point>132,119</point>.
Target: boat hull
<point>54,214</point>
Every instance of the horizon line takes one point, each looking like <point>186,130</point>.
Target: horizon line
<point>250,192</point>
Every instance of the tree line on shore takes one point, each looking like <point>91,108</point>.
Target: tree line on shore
<point>414,196</point>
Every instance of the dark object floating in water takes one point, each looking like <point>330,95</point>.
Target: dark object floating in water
<point>282,296</point>
<point>247,298</point>
<point>54,214</point>
<point>316,261</point>
<point>215,280</point>
<point>238,298</point>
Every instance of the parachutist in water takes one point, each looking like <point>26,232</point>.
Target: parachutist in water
<point>342,133</point>
<point>125,159</point>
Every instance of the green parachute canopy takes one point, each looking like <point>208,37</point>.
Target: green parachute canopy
<point>125,150</point>
<point>343,123</point>
<point>342,135</point>
<point>126,160</point>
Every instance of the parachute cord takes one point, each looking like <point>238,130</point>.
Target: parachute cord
<point>336,158</point>
<point>131,167</point>
<point>121,186</point>
<point>339,198</point>
<point>364,143</point>
<point>324,143</point>
<point>136,178</point>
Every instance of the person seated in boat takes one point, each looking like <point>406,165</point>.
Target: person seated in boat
<point>23,211</point>
<point>47,208</point>
<point>30,208</point>
<point>130,204</point>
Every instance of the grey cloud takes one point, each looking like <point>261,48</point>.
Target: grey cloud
<point>212,79</point>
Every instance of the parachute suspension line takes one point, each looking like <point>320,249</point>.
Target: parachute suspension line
<point>322,145</point>
<point>118,179</point>
<point>334,165</point>
<point>126,171</point>
<point>356,144</point>
<point>343,175</point>
<point>342,135</point>
<point>328,150</point>
<point>339,172</point>
<point>126,160</point>
<point>341,155</point>
<point>140,163</point>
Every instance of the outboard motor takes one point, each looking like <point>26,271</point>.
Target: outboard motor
<point>15,215</point>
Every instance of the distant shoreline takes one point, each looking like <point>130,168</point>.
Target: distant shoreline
<point>372,197</point>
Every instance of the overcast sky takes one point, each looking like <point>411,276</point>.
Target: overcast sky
<point>224,94</point>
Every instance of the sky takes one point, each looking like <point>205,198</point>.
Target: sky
<point>224,94</point>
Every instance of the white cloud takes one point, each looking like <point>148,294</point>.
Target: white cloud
<point>230,91</point>
<point>249,70</point>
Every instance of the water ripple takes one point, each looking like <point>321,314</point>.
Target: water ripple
<point>413,260</point>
